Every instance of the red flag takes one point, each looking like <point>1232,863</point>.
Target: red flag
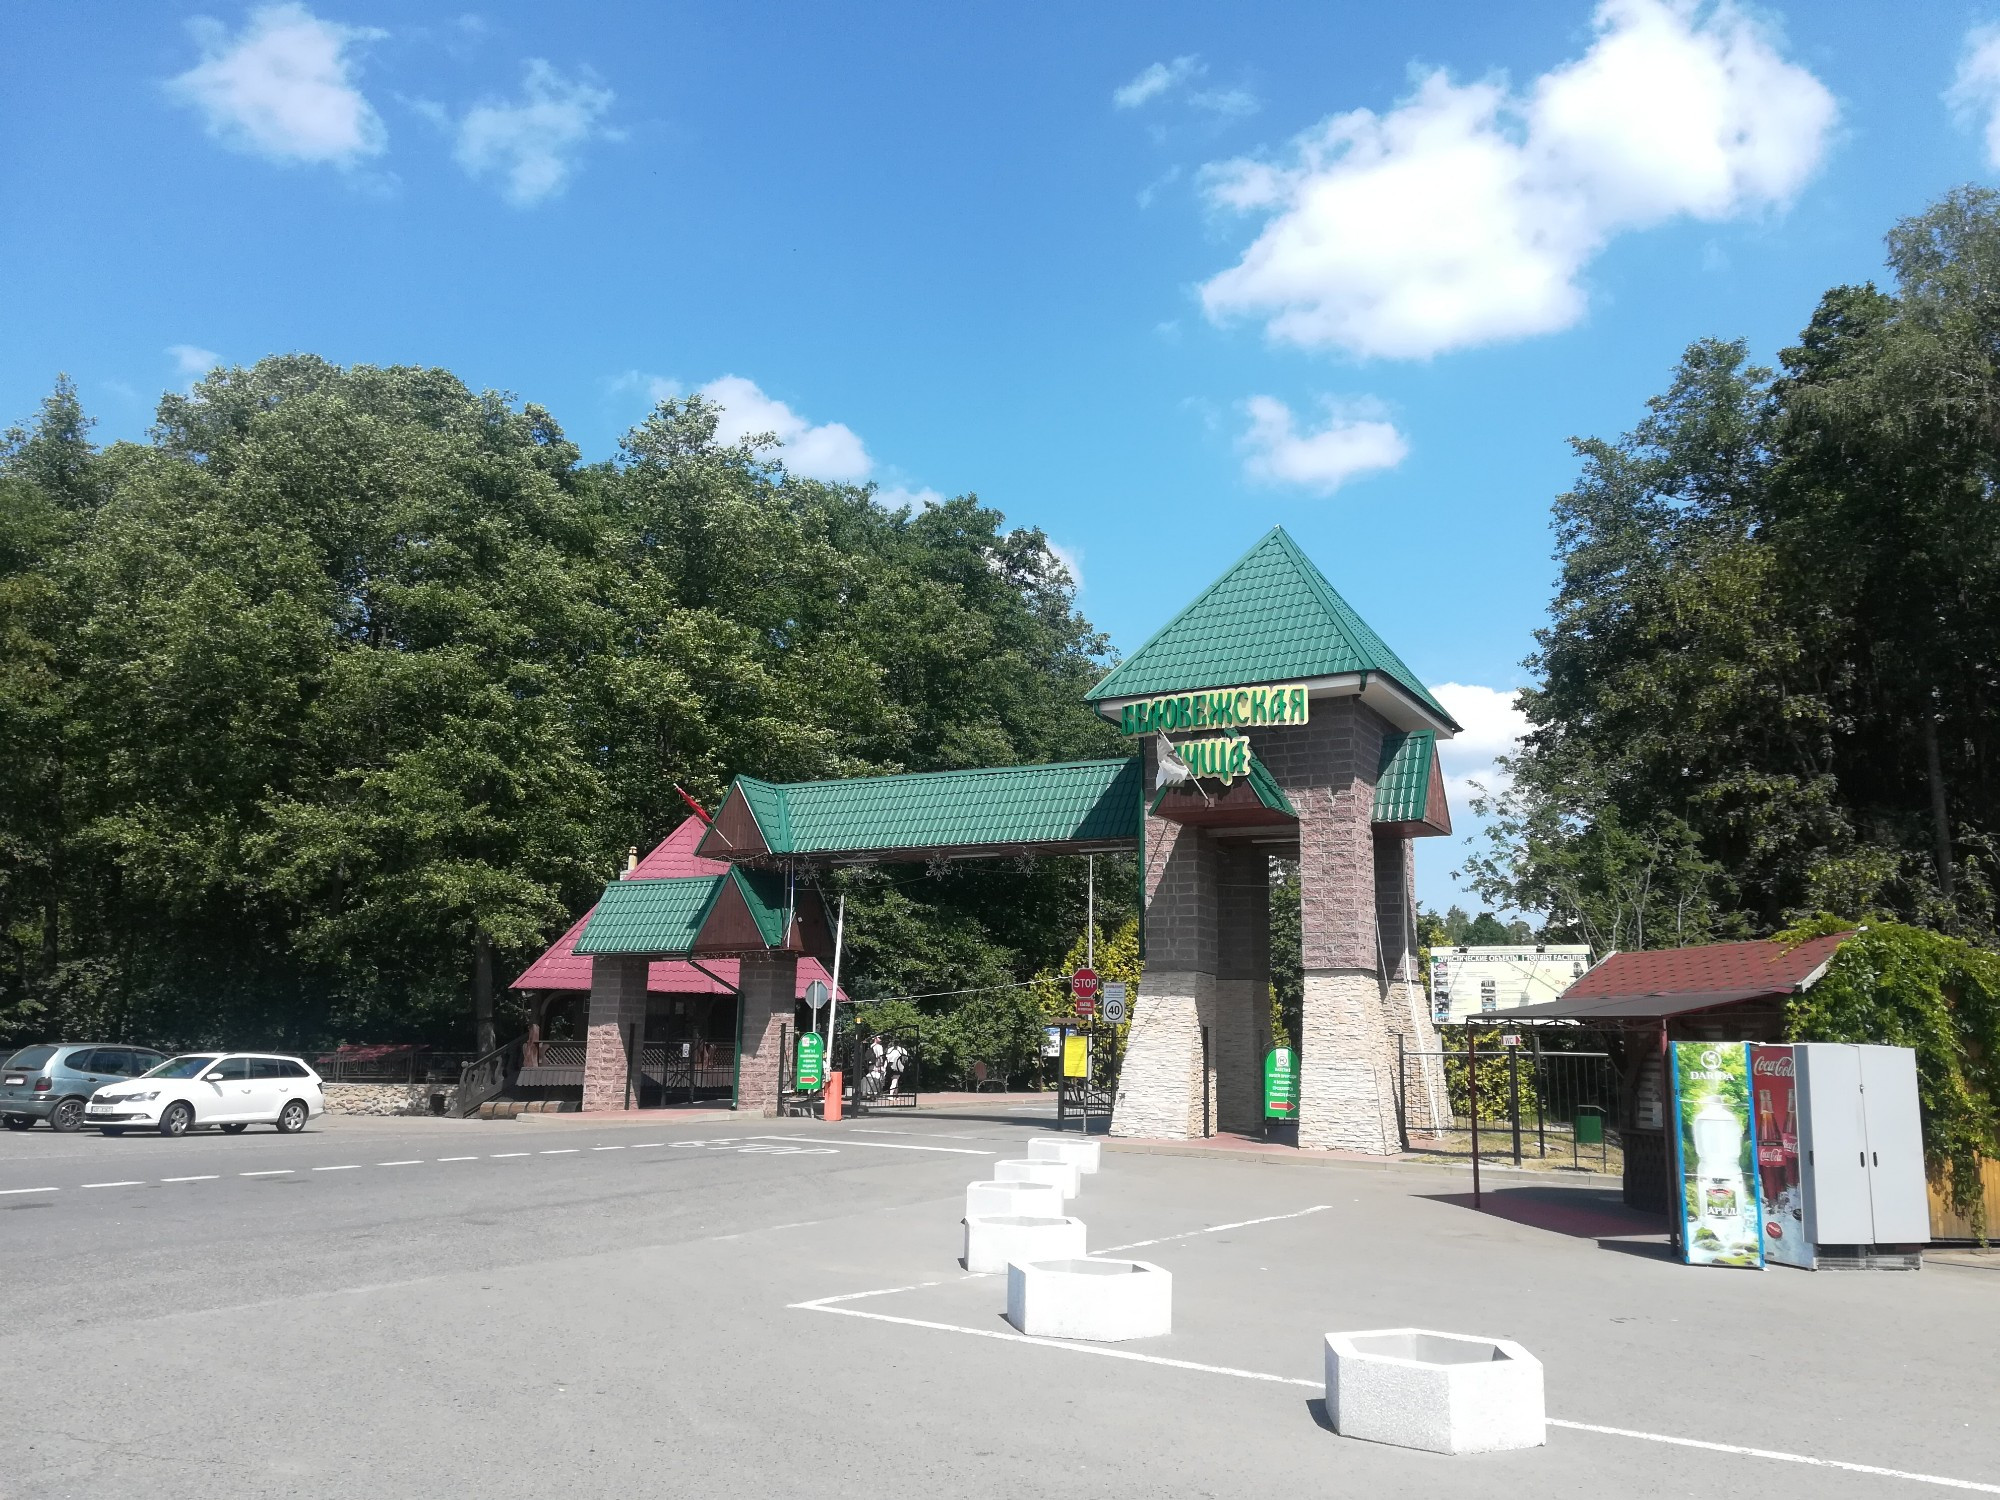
<point>696,806</point>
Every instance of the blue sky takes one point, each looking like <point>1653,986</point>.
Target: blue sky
<point>1152,276</point>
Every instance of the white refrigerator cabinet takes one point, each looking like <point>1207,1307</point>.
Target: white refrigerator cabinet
<point>1863,1153</point>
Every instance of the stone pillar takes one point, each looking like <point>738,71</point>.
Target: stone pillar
<point>1406,1009</point>
<point>1346,1052</point>
<point>1242,1033</point>
<point>1160,1085</point>
<point>769,1000</point>
<point>617,1006</point>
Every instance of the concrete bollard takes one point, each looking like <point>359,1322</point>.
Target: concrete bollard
<point>1058,1174</point>
<point>987,1200</point>
<point>1083,1155</point>
<point>990,1244</point>
<point>1104,1301</point>
<point>1444,1392</point>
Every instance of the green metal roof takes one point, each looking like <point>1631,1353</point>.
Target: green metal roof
<point>1272,617</point>
<point>1262,783</point>
<point>1090,801</point>
<point>764,893</point>
<point>1403,784</point>
<point>650,916</point>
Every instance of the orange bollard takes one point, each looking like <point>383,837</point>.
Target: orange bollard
<point>830,1097</point>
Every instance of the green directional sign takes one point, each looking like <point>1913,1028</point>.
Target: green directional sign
<point>1281,1084</point>
<point>812,1061</point>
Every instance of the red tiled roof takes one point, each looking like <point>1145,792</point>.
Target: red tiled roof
<point>562,968</point>
<point>1669,981</point>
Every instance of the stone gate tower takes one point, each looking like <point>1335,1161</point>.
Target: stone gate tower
<point>1294,732</point>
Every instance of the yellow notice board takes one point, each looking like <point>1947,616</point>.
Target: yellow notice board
<point>1076,1056</point>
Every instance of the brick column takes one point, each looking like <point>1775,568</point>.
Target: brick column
<point>1242,1032</point>
<point>1406,1009</point>
<point>1160,1084</point>
<point>1346,1053</point>
<point>617,1004</point>
<point>769,1000</point>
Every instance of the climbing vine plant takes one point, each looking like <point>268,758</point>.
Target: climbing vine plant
<point>1908,987</point>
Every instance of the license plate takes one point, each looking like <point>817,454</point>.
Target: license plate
<point>100,1109</point>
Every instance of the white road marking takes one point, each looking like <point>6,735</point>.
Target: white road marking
<point>648,1145</point>
<point>399,1164</point>
<point>458,1158</point>
<point>212,1177</point>
<point>113,1184</point>
<point>825,1305</point>
<point>1214,1229</point>
<point>1779,1457</point>
<point>820,1140</point>
<point>503,1155</point>
<point>15,1192</point>
<point>560,1151</point>
<point>350,1167</point>
<point>922,1135</point>
<point>274,1172</point>
<point>607,1148</point>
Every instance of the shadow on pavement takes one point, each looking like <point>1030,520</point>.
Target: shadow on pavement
<point>1581,1213</point>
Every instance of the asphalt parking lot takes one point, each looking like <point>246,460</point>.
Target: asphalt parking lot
<point>662,1306</point>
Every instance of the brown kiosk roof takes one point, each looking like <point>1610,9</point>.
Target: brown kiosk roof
<point>1674,981</point>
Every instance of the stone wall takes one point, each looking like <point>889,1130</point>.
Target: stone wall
<point>770,984</point>
<point>617,1013</point>
<point>387,1098</point>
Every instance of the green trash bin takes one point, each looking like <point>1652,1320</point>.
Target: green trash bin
<point>1589,1128</point>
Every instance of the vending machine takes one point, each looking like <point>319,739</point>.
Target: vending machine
<point>1866,1203</point>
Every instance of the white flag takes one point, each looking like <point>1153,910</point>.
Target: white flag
<point>1173,770</point>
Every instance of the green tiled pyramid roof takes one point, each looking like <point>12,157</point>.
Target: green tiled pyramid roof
<point>1272,617</point>
<point>1090,801</point>
<point>650,916</point>
<point>1403,785</point>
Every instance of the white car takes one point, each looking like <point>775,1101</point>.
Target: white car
<point>230,1090</point>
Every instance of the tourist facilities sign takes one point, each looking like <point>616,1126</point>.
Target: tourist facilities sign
<point>811,1073</point>
<point>1715,1136</point>
<point>1114,1003</point>
<point>1281,1084</point>
<point>1222,708</point>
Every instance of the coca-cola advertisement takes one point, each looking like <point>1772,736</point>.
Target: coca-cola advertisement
<point>1781,1186</point>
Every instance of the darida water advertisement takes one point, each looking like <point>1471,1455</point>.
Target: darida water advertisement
<point>1781,1186</point>
<point>1721,1218</point>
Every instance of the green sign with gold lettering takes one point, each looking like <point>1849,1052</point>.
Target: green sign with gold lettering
<point>1222,708</point>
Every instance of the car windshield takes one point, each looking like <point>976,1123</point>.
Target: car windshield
<point>31,1057</point>
<point>183,1067</point>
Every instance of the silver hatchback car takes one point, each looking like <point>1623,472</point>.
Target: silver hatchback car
<point>52,1082</point>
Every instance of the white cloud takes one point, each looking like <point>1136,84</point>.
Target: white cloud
<point>1155,80</point>
<point>1071,558</point>
<point>284,87</point>
<point>1975,94</point>
<point>830,450</point>
<point>532,145</point>
<point>1467,213</point>
<point>192,361</point>
<point>1354,440</point>
<point>1493,728</point>
<point>654,388</point>
<point>1225,101</point>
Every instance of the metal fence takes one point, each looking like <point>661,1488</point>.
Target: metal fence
<point>411,1065</point>
<point>1537,1107</point>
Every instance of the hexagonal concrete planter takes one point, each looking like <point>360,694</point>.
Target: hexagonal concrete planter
<point>991,1243</point>
<point>987,1200</point>
<point>1101,1300</point>
<point>1445,1392</point>
<point>1058,1174</point>
<point>1083,1155</point>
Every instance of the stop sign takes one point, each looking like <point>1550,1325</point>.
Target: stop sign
<point>1083,984</point>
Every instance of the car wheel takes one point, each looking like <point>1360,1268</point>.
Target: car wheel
<point>237,1128</point>
<point>292,1118</point>
<point>177,1118</point>
<point>20,1122</point>
<point>67,1115</point>
<point>112,1130</point>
